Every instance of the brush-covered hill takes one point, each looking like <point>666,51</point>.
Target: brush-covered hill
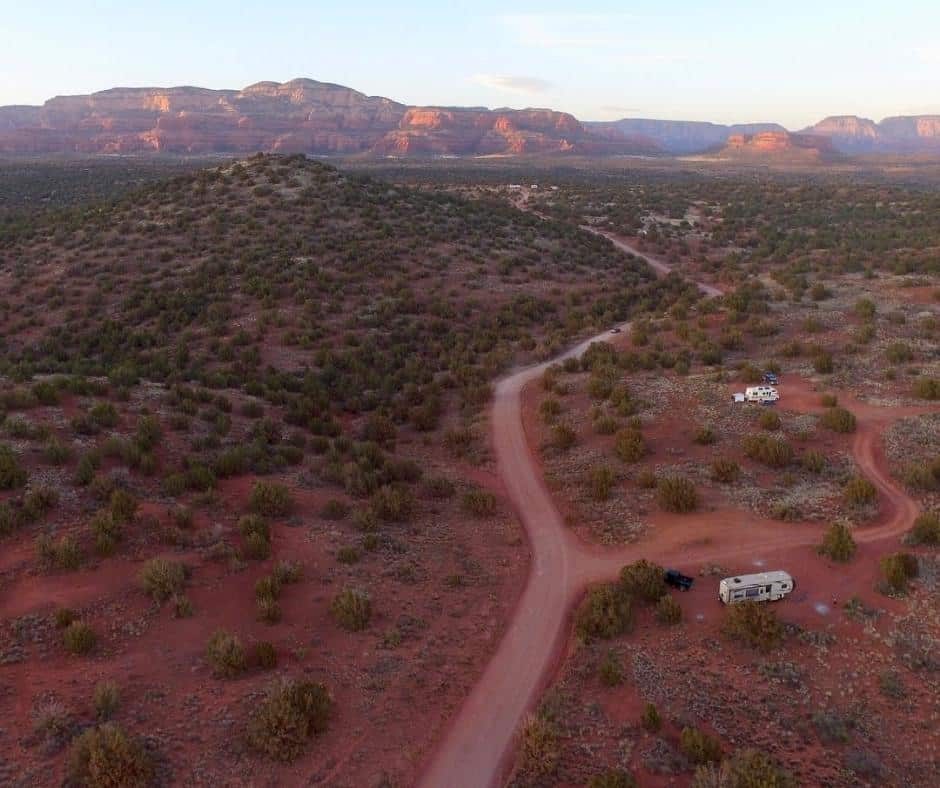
<point>243,468</point>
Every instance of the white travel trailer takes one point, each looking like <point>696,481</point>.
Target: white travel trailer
<point>762,587</point>
<point>761,394</point>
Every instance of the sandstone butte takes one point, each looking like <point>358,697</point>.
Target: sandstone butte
<point>780,145</point>
<point>300,116</point>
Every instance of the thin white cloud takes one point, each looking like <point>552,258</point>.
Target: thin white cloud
<point>512,84</point>
<point>928,54</point>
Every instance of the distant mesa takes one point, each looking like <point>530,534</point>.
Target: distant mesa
<point>915,134</point>
<point>780,146</point>
<point>300,116</point>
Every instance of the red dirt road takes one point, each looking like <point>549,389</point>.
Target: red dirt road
<point>477,747</point>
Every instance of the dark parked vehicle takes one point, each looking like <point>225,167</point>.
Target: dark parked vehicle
<point>676,579</point>
<point>771,378</point>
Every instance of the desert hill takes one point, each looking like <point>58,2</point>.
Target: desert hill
<point>901,134</point>
<point>300,116</point>
<point>780,146</point>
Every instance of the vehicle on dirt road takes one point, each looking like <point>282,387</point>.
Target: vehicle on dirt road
<point>761,587</point>
<point>761,394</point>
<point>771,379</point>
<point>676,579</point>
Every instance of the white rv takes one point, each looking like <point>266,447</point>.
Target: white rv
<point>762,587</point>
<point>761,394</point>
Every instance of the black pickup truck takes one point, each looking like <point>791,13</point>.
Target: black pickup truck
<point>676,579</point>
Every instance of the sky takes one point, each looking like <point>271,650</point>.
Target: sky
<point>720,60</point>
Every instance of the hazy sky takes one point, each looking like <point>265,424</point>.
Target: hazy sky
<point>721,60</point>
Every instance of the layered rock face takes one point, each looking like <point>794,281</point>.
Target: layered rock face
<point>905,134</point>
<point>298,116</point>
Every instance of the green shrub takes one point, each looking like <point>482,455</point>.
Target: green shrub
<point>643,580</point>
<point>37,502</point>
<point>610,670</point>
<point>898,569</point>
<point>123,506</point>
<point>699,747</point>
<point>865,308</point>
<point>63,617</point>
<point>772,452</point>
<point>725,470</point>
<point>225,654</point>
<point>265,655</point>
<point>349,554</point>
<point>769,420</point>
<point>106,699</point>
<point>79,638</point>
<point>269,609</point>
<point>612,778</point>
<point>104,414</point>
<point>563,437</point>
<point>745,769</point>
<point>606,611</point>
<point>858,491</point>
<point>629,445</point>
<point>651,719</point>
<point>291,713</point>
<point>838,419</point>
<point>813,461</point>
<point>822,363</point>
<point>600,483</point>
<point>677,494</point>
<point>926,530</point>
<point>182,607</point>
<point>646,479</point>
<point>439,487</point>
<point>753,623</point>
<point>606,425</point>
<point>479,503</point>
<point>538,748</point>
<point>352,609</point>
<point>161,578</point>
<point>64,553</point>
<point>838,543</point>
<point>56,452</point>
<point>828,400</point>
<point>106,531</point>
<point>705,435</point>
<point>550,408</point>
<point>270,499</point>
<point>11,474</point>
<point>106,757</point>
<point>287,572</point>
<point>393,504</point>
<point>668,611</point>
<point>924,388</point>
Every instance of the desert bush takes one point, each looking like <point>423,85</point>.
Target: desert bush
<point>393,504</point>
<point>37,502</point>
<point>822,363</point>
<point>606,611</point>
<point>773,452</point>
<point>643,580</point>
<point>769,420</point>
<point>813,461</point>
<point>613,778</point>
<point>11,474</point>
<point>745,769</point>
<point>56,452</point>
<point>924,388</point>
<point>106,757</point>
<point>63,553</point>
<point>182,607</point>
<point>858,491</point>
<point>79,638</point>
<point>926,530</point>
<point>838,543</point>
<point>563,437</point>
<point>725,470</point>
<point>538,748</point>
<point>754,624</point>
<point>865,308</point>
<point>479,503</point>
<point>646,479</point>
<point>265,655</point>
<point>123,506</point>
<point>161,578</point>
<point>831,727</point>
<point>651,719</point>
<point>828,400</point>
<point>439,487</point>
<point>600,482</point>
<point>270,499</point>
<point>610,670</point>
<point>106,531</point>
<point>106,699</point>
<point>838,419</point>
<point>269,609</point>
<point>291,713</point>
<point>351,609</point>
<point>606,425</point>
<point>705,436</point>
<point>898,570</point>
<point>63,617</point>
<point>225,654</point>
<point>700,747</point>
<point>668,611</point>
<point>629,445</point>
<point>287,572</point>
<point>550,408</point>
<point>677,494</point>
